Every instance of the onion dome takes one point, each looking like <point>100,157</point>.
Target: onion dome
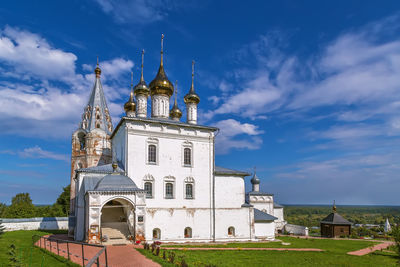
<point>97,70</point>
<point>192,97</point>
<point>161,85</point>
<point>175,112</point>
<point>141,88</point>
<point>130,106</point>
<point>255,179</point>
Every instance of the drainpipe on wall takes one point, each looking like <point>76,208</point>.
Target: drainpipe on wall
<point>213,191</point>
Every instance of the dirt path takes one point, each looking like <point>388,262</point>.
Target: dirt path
<point>368,250</point>
<point>117,256</point>
<point>279,249</point>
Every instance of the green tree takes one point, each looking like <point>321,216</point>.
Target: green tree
<point>3,208</point>
<point>21,207</point>
<point>396,236</point>
<point>62,202</point>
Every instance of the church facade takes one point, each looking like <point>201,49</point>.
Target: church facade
<point>154,177</point>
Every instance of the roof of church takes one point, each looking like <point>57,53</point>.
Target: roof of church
<point>107,168</point>
<point>259,193</point>
<point>116,182</point>
<point>96,111</point>
<point>260,216</point>
<point>335,218</point>
<point>225,171</point>
<point>163,121</point>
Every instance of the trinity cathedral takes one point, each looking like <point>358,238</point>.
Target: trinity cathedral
<point>155,178</point>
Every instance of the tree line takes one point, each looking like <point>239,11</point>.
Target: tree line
<point>22,207</point>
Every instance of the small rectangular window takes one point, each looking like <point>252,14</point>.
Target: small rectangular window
<point>152,154</point>
<point>148,187</point>
<point>169,190</point>
<point>187,156</point>
<point>140,219</point>
<point>189,191</point>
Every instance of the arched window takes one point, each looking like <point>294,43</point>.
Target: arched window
<point>188,232</point>
<point>231,231</point>
<point>81,137</point>
<point>97,125</point>
<point>148,187</point>
<point>156,233</point>
<point>169,190</point>
<point>152,154</point>
<point>189,190</point>
<point>187,156</point>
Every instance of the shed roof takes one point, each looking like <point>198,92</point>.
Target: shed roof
<point>335,218</point>
<point>225,171</point>
<point>107,168</point>
<point>116,182</point>
<point>260,216</point>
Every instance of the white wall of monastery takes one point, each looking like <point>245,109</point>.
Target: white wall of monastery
<point>39,223</point>
<point>265,230</point>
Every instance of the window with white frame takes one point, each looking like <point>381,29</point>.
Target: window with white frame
<point>189,187</point>
<point>169,187</point>
<point>169,190</point>
<point>148,187</point>
<point>231,231</point>
<point>152,154</point>
<point>187,154</point>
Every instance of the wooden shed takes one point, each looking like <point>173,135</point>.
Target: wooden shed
<point>334,225</point>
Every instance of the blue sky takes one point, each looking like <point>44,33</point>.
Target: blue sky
<point>307,91</point>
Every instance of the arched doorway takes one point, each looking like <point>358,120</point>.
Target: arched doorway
<point>118,221</point>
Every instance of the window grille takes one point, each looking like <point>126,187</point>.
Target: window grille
<point>148,187</point>
<point>169,190</point>
<point>187,156</point>
<point>189,191</point>
<point>152,157</point>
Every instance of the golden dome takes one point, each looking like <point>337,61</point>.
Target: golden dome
<point>141,88</point>
<point>130,105</point>
<point>192,97</point>
<point>175,112</point>
<point>161,85</point>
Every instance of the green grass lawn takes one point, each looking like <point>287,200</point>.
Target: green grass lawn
<point>334,254</point>
<point>28,255</point>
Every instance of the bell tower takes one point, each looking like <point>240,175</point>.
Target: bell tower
<point>91,144</point>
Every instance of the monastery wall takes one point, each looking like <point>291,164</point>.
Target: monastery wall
<point>265,230</point>
<point>229,191</point>
<point>38,223</point>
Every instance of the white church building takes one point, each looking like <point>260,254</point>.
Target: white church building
<point>154,177</point>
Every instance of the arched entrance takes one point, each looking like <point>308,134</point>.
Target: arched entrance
<point>117,221</point>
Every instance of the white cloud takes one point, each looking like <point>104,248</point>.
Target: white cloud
<point>48,96</point>
<point>236,135</point>
<point>29,54</point>
<point>135,11</point>
<point>37,152</point>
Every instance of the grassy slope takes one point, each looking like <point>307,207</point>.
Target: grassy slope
<point>23,242</point>
<point>335,255</point>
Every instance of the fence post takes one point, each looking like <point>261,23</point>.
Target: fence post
<point>68,249</point>
<point>50,245</point>
<point>40,242</point>
<point>83,257</point>
<point>105,254</point>
<point>58,251</point>
<point>98,264</point>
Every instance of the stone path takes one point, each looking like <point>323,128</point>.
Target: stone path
<point>368,250</point>
<point>118,256</point>
<point>278,249</point>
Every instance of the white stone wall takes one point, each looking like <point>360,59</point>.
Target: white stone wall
<point>239,218</point>
<point>265,230</point>
<point>229,191</point>
<point>264,203</point>
<point>56,223</point>
<point>170,141</point>
<point>296,229</point>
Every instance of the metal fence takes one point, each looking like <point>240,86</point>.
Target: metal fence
<point>67,247</point>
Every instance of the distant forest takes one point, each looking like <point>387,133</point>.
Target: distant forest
<point>311,215</point>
